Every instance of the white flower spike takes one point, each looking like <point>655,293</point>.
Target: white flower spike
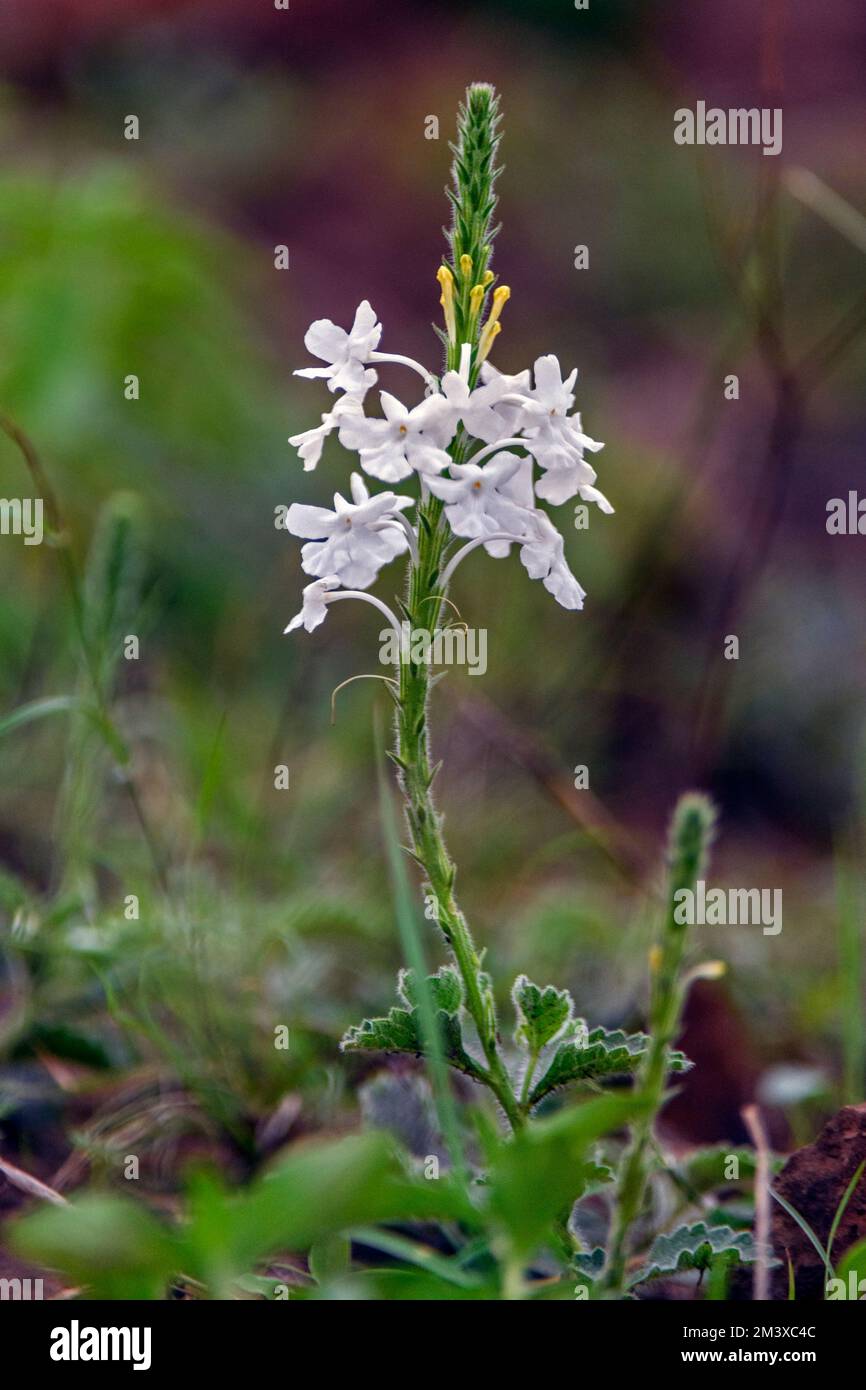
<point>489,495</point>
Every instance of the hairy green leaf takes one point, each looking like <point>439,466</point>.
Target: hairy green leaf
<point>697,1247</point>
<point>401,1032</point>
<point>541,1013</point>
<point>445,988</point>
<point>595,1056</point>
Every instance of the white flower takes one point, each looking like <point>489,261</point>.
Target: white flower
<point>314,605</point>
<point>517,489</point>
<point>309,443</point>
<point>404,442</point>
<point>354,540</point>
<point>543,555</point>
<point>569,479</point>
<point>556,438</point>
<point>476,408</point>
<point>476,500</point>
<point>512,413</point>
<point>344,352</point>
<point>567,474</point>
<point>551,395</point>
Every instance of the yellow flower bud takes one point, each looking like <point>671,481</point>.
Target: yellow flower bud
<point>485,343</point>
<point>446,280</point>
<point>501,296</point>
<point>487,277</point>
<point>465,266</point>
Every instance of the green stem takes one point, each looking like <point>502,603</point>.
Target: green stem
<point>423,608</point>
<point>531,1063</point>
<point>690,836</point>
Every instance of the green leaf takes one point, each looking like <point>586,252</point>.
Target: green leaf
<point>595,1056</point>
<point>696,1247</point>
<point>446,991</point>
<point>854,1260</point>
<point>707,1169</point>
<point>401,1032</point>
<point>396,1033</point>
<point>545,1168</point>
<point>330,1258</point>
<point>112,1246</point>
<point>116,1249</point>
<point>541,1013</point>
<point>324,1188</point>
<point>589,1263</point>
<point>410,1252</point>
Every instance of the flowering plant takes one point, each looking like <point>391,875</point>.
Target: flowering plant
<point>485,448</point>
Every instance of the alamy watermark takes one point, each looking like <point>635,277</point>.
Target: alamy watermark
<point>447,646</point>
<point>21,1290</point>
<point>729,907</point>
<point>739,125</point>
<point>22,516</point>
<point>77,1343</point>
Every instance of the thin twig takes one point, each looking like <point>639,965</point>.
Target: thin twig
<point>754,1124</point>
<point>32,1186</point>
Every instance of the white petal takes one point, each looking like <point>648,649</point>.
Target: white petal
<point>557,485</point>
<point>313,523</point>
<point>592,494</point>
<point>312,372</point>
<point>365,319</point>
<point>564,587</point>
<point>324,339</point>
<point>395,411</point>
<point>360,492</point>
<point>387,463</point>
<point>446,489</point>
<point>426,459</point>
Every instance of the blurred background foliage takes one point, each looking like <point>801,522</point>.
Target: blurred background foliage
<point>156,257</point>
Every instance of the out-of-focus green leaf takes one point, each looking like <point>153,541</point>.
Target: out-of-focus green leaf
<point>316,1192</point>
<point>539,1174</point>
<point>853,1262</point>
<point>710,1168</point>
<point>111,1246</point>
<point>329,1258</point>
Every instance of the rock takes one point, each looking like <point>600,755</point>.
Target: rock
<point>813,1182</point>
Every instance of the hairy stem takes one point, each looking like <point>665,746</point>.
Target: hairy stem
<point>691,832</point>
<point>423,606</point>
